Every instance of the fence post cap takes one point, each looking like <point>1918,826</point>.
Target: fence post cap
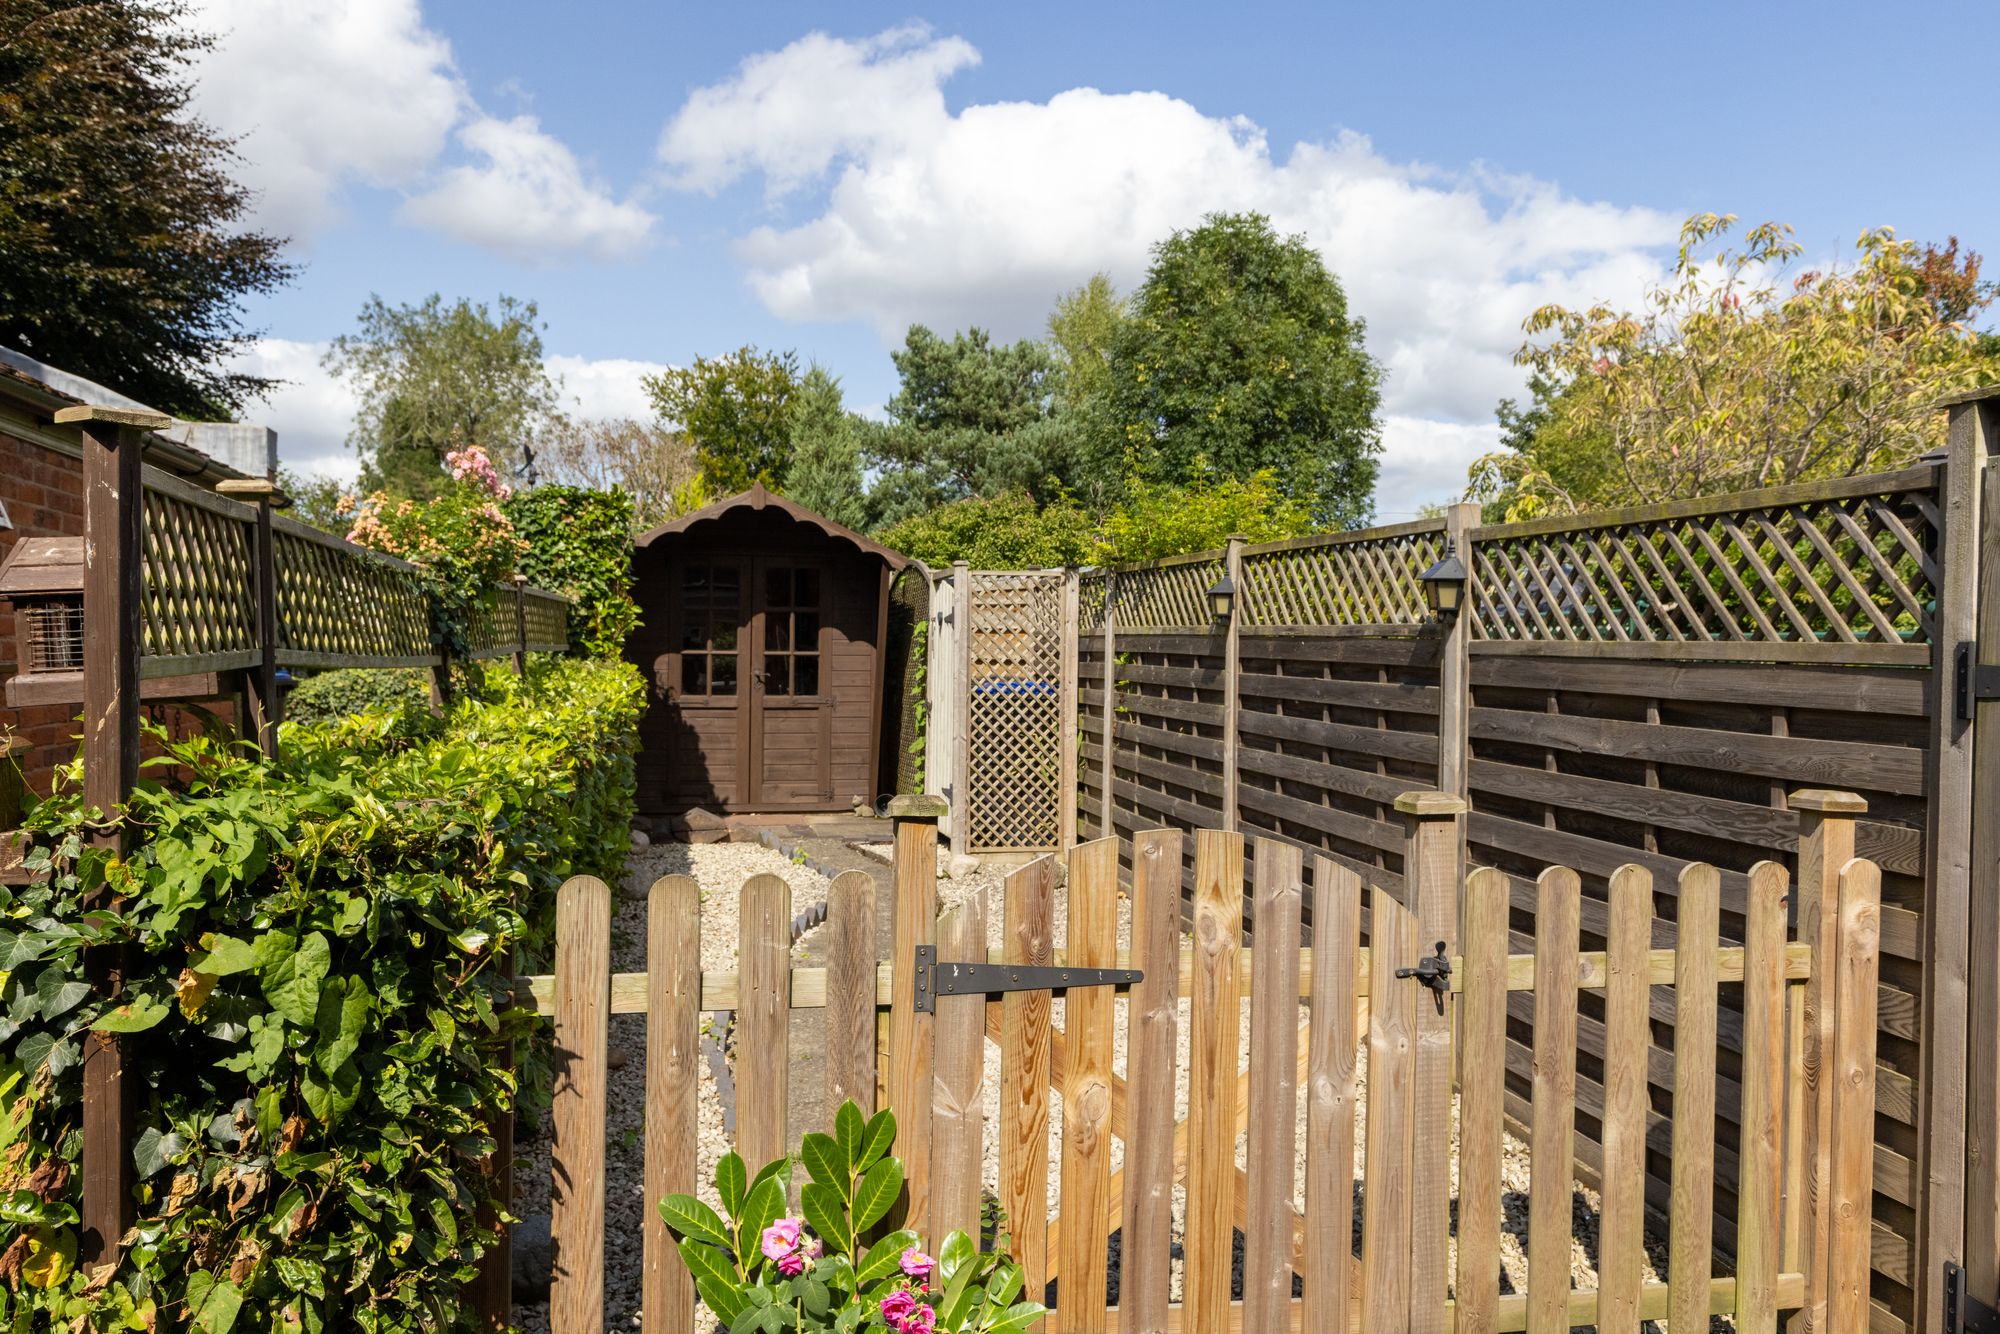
<point>144,418</point>
<point>1827,801</point>
<point>908,807</point>
<point>1430,805</point>
<point>254,490</point>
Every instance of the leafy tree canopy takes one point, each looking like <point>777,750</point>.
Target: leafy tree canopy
<point>824,474</point>
<point>1007,532</point>
<point>120,254</point>
<point>737,409</point>
<point>1239,349</point>
<point>1741,372</point>
<point>433,378</point>
<point>654,466</point>
<point>1200,515</point>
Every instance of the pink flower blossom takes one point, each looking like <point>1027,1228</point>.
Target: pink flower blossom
<point>899,1308</point>
<point>793,1264</point>
<point>781,1239</point>
<point>916,1264</point>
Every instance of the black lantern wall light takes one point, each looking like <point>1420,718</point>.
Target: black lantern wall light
<point>1444,584</point>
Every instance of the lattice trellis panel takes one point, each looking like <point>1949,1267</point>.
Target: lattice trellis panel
<point>342,606</point>
<point>548,620</point>
<point>199,611</point>
<point>1165,596</point>
<point>1091,588</point>
<point>1340,581</point>
<point>1014,709</point>
<point>1852,574</point>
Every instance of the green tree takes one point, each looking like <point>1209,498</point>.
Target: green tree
<point>433,378</point>
<point>1082,328</point>
<point>319,500</point>
<point>1739,373</point>
<point>971,418</point>
<point>1240,349</point>
<point>1007,532</point>
<point>737,409</point>
<point>656,467</point>
<point>120,254</point>
<point>825,470</point>
<point>1200,515</point>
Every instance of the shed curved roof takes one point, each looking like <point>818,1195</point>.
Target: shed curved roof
<point>758,498</point>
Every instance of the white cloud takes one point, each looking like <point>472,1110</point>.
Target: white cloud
<point>1424,462</point>
<point>313,411</point>
<point>325,94</point>
<point>528,198</point>
<point>984,214</point>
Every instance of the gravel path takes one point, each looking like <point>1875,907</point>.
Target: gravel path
<point>720,870</point>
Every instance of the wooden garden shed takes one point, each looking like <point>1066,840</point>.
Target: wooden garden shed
<point>762,634</point>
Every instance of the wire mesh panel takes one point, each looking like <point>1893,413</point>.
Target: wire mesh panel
<point>1014,709</point>
<point>1341,580</point>
<point>1846,569</point>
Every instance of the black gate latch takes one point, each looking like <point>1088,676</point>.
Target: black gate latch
<point>1973,682</point>
<point>1435,973</point>
<point>1963,1312</point>
<point>934,979</point>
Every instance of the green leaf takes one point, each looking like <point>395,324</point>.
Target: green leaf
<point>225,955</point>
<point>342,1018</point>
<point>877,1193</point>
<point>135,1016</point>
<point>292,979</point>
<point>761,1208</point>
<point>156,1149</point>
<point>724,1299</point>
<point>686,1216</point>
<point>826,1213</point>
<point>705,1261</point>
<point>731,1183</point>
<point>825,1162</point>
<point>884,1257</point>
<point>958,1251</point>
<point>212,1303</point>
<point>849,1129</point>
<point>880,1134</point>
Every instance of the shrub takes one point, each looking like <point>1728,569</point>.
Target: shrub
<point>315,1004</point>
<point>327,696</point>
<point>579,543</point>
<point>759,1270</point>
<point>1157,520</point>
<point>1004,533</point>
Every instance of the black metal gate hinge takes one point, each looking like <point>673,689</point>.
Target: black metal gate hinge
<point>1972,682</point>
<point>1963,1312</point>
<point>934,979</point>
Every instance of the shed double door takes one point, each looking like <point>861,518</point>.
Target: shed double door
<point>748,687</point>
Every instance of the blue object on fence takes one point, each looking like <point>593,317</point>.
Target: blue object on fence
<point>995,685</point>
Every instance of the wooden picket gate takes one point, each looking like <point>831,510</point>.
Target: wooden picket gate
<point>1802,1171</point>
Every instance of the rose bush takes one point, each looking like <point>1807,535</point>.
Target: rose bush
<point>760,1270</point>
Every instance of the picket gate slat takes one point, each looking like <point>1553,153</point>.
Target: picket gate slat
<point>1272,1155</point>
<point>1152,1016</point>
<point>1086,1124</point>
<point>1024,1072</point>
<point>1385,1201</point>
<point>1432,832</point>
<point>1759,1146</point>
<point>1332,1081</point>
<point>850,993</point>
<point>1691,1218</point>
<point>1627,1043</point>
<point>764,1020</point>
<point>1213,1038</point>
<point>911,1048</point>
<point>1856,961</point>
<point>957,1109</point>
<point>673,1113</point>
<point>1552,1144</point>
<point>582,1031</point>
<point>1482,1101</point>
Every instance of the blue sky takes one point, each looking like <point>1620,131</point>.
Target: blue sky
<point>668,181</point>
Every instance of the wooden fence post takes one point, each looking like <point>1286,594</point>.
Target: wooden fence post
<point>1066,750</point>
<point>1108,825</point>
<point>113,593</point>
<point>1948,915</point>
<point>1826,843</point>
<point>266,704</point>
<point>1232,682</point>
<point>1455,680</point>
<point>912,1052</point>
<point>1856,962</point>
<point>1978,416</point>
<point>961,719</point>
<point>1432,824</point>
<point>520,582</point>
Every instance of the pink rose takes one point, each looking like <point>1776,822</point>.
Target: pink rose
<point>792,1265</point>
<point>781,1239</point>
<point>899,1307</point>
<point>917,1265</point>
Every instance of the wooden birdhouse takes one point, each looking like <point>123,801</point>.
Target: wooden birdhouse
<point>43,578</point>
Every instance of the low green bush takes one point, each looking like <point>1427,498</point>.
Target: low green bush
<point>315,1007</point>
<point>325,696</point>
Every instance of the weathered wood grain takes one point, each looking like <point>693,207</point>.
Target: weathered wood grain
<point>1386,1172</point>
<point>673,1082</point>
<point>1551,1146</point>
<point>1024,1071</point>
<point>850,992</point>
<point>1332,1088</point>
<point>1274,1058</point>
<point>582,1032</point>
<point>912,1035</point>
<point>957,1110</point>
<point>763,1020</point>
<point>1152,1016</point>
<point>1691,1226</point>
<point>1759,1144</point>
<point>1622,1229</point>
<point>1086,1151</point>
<point>1482,1018</point>
<point>1213,1035</point>
<point>1857,956</point>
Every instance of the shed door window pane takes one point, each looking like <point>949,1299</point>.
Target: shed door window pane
<point>711,608</point>
<point>791,630</point>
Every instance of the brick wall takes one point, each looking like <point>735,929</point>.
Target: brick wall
<point>43,492</point>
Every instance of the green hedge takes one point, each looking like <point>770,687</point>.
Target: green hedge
<point>315,1005</point>
<point>580,544</point>
<point>327,696</point>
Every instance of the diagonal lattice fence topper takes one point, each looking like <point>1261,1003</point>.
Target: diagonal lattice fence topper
<point>338,605</point>
<point>1845,569</point>
<point>1014,708</point>
<point>1161,596</point>
<point>1346,579</point>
